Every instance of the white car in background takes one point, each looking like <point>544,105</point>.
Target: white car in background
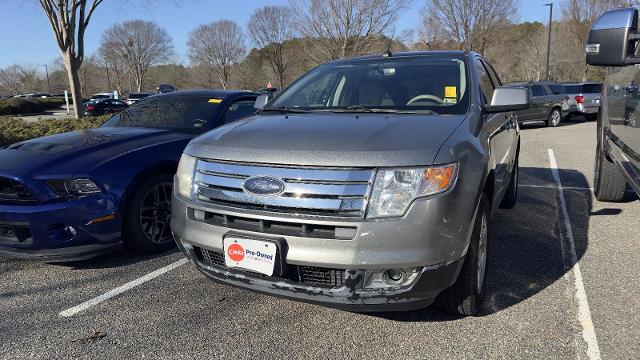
<point>135,97</point>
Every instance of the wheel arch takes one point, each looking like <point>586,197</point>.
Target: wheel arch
<point>160,168</point>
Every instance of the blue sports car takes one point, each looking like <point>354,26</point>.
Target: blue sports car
<point>80,194</point>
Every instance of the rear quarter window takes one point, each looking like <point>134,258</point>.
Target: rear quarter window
<point>591,88</point>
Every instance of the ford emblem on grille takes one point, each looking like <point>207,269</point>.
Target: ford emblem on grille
<point>264,186</point>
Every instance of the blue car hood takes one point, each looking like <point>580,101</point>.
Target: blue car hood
<point>79,151</point>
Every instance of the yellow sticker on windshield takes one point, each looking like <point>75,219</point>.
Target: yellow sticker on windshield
<point>215,101</point>
<point>450,92</point>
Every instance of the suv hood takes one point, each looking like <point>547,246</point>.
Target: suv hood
<point>321,139</point>
<point>79,151</point>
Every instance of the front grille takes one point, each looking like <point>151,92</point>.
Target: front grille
<point>307,190</point>
<point>304,275</point>
<point>14,192</point>
<point>274,227</point>
<point>13,233</point>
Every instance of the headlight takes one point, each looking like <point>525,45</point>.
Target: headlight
<point>395,189</point>
<point>186,169</point>
<point>73,188</point>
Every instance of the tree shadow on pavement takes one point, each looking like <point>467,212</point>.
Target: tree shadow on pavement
<point>525,249</point>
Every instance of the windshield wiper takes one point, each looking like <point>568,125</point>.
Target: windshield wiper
<point>284,109</point>
<point>360,108</point>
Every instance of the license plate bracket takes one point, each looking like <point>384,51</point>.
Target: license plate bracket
<point>254,244</point>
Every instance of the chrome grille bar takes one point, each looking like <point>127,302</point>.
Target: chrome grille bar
<point>319,191</point>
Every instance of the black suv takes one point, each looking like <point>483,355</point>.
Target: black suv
<point>612,43</point>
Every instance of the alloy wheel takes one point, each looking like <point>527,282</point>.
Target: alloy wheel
<point>155,213</point>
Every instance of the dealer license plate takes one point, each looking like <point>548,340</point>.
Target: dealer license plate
<point>250,254</point>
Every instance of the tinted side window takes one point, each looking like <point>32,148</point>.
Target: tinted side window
<point>486,86</point>
<point>591,88</point>
<point>538,90</point>
<point>238,110</point>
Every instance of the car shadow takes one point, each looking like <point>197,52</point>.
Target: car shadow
<point>114,260</point>
<point>578,119</point>
<point>525,250</point>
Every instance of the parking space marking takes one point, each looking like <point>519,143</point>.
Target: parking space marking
<point>555,187</point>
<point>584,313</point>
<point>119,290</point>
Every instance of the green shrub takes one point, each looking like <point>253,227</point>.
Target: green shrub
<point>23,106</point>
<point>20,106</point>
<point>13,130</point>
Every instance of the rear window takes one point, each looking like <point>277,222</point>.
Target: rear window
<point>572,89</point>
<point>591,88</point>
<point>557,89</point>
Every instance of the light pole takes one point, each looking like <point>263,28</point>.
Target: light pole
<point>550,5</point>
<point>46,71</point>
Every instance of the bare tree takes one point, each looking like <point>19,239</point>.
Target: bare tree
<point>219,46</point>
<point>13,78</point>
<point>579,16</point>
<point>269,28</point>
<point>336,29</point>
<point>140,44</point>
<point>69,20</point>
<point>470,23</point>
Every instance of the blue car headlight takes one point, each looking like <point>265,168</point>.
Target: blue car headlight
<point>73,188</point>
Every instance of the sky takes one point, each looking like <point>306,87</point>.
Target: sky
<point>27,37</point>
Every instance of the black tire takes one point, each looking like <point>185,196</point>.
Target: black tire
<point>511,196</point>
<point>465,297</point>
<point>609,183</point>
<point>146,223</point>
<point>555,116</point>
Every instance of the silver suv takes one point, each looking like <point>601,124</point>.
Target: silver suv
<point>368,184</point>
<point>582,99</point>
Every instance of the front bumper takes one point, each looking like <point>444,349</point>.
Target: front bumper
<point>433,236</point>
<point>350,296</point>
<point>59,231</point>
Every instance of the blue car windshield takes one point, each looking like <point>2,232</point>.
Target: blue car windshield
<point>180,113</point>
<point>404,85</point>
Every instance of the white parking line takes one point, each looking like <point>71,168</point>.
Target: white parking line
<point>555,187</point>
<point>584,314</point>
<point>119,290</point>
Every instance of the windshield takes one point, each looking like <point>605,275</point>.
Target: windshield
<point>382,85</point>
<point>185,113</point>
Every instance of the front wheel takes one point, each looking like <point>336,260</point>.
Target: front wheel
<point>465,296</point>
<point>609,183</point>
<point>147,218</point>
<point>554,118</point>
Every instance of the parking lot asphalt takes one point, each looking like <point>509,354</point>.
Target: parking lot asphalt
<point>534,306</point>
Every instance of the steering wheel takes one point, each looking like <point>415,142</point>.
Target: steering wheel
<point>431,98</point>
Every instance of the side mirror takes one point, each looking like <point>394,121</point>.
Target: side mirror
<point>611,39</point>
<point>261,101</point>
<point>507,99</point>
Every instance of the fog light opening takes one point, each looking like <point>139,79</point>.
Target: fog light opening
<point>394,276</point>
<point>391,278</point>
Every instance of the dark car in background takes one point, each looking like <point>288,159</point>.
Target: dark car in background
<point>582,99</point>
<point>612,43</point>
<point>79,194</point>
<point>545,103</point>
<point>104,106</point>
<point>135,97</point>
<point>165,88</point>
